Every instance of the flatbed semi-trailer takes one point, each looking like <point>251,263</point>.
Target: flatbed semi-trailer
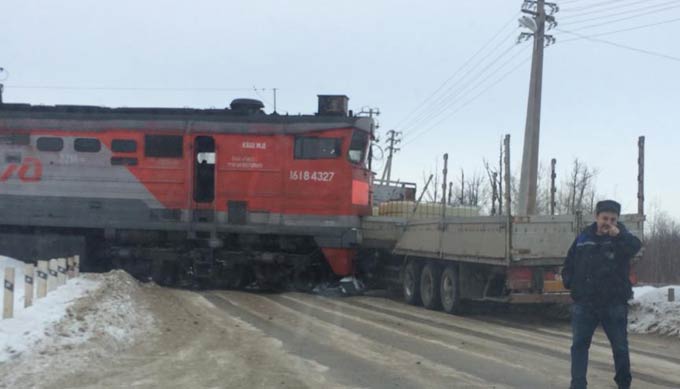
<point>440,261</point>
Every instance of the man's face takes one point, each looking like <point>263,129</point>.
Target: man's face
<point>605,220</point>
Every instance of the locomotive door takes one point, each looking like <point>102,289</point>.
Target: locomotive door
<point>204,172</point>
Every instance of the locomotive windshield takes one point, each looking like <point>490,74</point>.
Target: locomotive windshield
<point>357,148</point>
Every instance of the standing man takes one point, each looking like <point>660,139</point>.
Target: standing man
<point>596,271</point>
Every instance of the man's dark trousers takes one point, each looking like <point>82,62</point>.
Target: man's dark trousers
<point>584,320</point>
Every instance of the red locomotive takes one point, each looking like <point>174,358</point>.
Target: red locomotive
<point>221,195</point>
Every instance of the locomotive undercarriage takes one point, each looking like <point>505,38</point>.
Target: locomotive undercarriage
<point>232,261</point>
<point>269,262</point>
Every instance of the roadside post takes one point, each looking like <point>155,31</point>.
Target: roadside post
<point>69,266</point>
<point>61,269</point>
<point>42,279</point>
<point>52,275</point>
<point>28,284</point>
<point>8,308</point>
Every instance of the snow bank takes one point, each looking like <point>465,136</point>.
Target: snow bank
<point>30,325</point>
<point>100,307</point>
<point>650,311</point>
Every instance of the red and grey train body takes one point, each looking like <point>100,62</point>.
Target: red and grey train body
<point>216,193</point>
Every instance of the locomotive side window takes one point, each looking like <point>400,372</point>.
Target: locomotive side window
<point>87,145</point>
<point>15,139</point>
<point>316,148</point>
<point>124,146</point>
<point>357,147</point>
<point>163,146</point>
<point>50,144</point>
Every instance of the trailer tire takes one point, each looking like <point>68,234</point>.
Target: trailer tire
<point>449,289</point>
<point>429,286</point>
<point>411,283</point>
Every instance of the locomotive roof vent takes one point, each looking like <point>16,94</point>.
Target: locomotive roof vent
<point>246,106</point>
<point>333,105</point>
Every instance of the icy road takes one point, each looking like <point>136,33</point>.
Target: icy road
<point>223,339</point>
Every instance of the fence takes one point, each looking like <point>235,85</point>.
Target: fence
<point>50,275</point>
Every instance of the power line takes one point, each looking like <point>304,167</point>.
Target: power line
<point>455,90</point>
<point>402,123</point>
<point>113,88</point>
<point>648,5</point>
<point>622,46</point>
<point>462,92</point>
<point>592,8</point>
<point>569,2</point>
<point>655,8</point>
<point>675,20</point>
<point>505,75</point>
<point>620,19</point>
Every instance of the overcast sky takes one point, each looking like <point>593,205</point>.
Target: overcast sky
<point>393,54</point>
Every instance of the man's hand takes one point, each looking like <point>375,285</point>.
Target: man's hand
<point>613,230</point>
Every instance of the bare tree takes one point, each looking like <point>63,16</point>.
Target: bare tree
<point>475,191</point>
<point>577,192</point>
<point>660,264</point>
<point>471,191</point>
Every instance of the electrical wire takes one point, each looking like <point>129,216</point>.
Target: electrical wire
<point>593,8</point>
<point>653,9</point>
<point>675,20</point>
<point>468,88</point>
<point>402,123</point>
<point>561,3</point>
<point>445,100</point>
<point>622,46</point>
<point>110,88</point>
<point>416,135</point>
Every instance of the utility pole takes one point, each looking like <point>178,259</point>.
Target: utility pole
<point>462,187</point>
<point>494,192</point>
<point>641,176</point>
<point>4,73</point>
<point>537,25</point>
<point>445,171</point>
<point>393,138</point>
<point>274,91</point>
<point>553,188</point>
<point>450,191</point>
<point>500,181</point>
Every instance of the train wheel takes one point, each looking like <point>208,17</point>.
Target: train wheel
<point>238,277</point>
<point>429,286</point>
<point>163,273</point>
<point>411,283</point>
<point>449,292</point>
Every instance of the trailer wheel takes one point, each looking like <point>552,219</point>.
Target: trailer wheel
<point>449,292</point>
<point>411,283</point>
<point>429,286</point>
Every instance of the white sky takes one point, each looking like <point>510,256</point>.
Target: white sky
<point>387,54</point>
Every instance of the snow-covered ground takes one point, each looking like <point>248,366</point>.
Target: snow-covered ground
<point>30,325</point>
<point>650,311</point>
<point>92,306</point>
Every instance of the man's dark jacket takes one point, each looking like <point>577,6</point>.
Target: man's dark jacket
<point>596,268</point>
